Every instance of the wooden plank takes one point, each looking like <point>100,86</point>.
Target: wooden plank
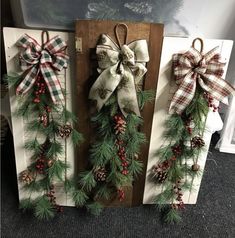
<point>165,89</point>
<point>90,32</point>
<point>20,135</point>
<point>155,46</point>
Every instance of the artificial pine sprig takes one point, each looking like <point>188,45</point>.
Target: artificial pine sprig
<point>113,157</point>
<point>49,124</point>
<point>184,141</point>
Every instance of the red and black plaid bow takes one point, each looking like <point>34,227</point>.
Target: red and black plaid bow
<point>206,69</point>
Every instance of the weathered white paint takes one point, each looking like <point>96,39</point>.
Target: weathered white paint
<point>166,88</point>
<point>22,157</point>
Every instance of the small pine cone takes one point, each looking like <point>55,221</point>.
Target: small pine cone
<point>197,142</point>
<point>44,120</point>
<point>120,124</point>
<point>26,177</point>
<point>159,174</point>
<point>100,174</point>
<point>65,131</point>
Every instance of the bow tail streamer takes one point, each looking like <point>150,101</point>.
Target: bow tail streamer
<point>217,87</point>
<point>105,85</point>
<point>52,82</point>
<point>184,94</point>
<point>28,81</point>
<point>126,93</point>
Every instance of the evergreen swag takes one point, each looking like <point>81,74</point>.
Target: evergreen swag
<point>49,123</point>
<point>113,160</point>
<point>184,142</point>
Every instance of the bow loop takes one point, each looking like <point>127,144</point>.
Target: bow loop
<point>192,67</point>
<point>56,44</point>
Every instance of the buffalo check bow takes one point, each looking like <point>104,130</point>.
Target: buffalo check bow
<point>46,59</point>
<point>192,68</point>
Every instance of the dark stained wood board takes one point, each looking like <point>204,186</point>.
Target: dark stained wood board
<point>90,31</point>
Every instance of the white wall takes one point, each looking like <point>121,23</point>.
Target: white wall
<point>210,19</point>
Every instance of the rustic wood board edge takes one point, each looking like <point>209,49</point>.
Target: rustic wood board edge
<point>151,79</point>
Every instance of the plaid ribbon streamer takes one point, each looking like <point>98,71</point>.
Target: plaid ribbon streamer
<point>192,67</point>
<point>47,60</point>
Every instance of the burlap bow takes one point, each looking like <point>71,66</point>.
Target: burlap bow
<point>120,68</point>
<point>46,59</point>
<point>192,67</point>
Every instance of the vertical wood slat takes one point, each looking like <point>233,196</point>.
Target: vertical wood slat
<point>82,88</point>
<point>90,32</point>
<point>155,46</point>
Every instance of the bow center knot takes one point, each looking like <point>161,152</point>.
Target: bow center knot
<point>126,55</point>
<point>45,57</point>
<point>201,67</point>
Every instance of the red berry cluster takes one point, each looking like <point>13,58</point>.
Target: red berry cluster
<point>177,150</point>
<point>121,194</point>
<point>120,127</point>
<point>188,125</point>
<point>122,156</point>
<point>179,195</point>
<point>210,100</point>
<point>40,88</point>
<point>40,165</point>
<point>52,199</point>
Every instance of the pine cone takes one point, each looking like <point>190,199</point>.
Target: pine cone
<point>100,174</point>
<point>159,173</point>
<point>44,120</point>
<point>26,177</point>
<point>197,142</point>
<point>120,124</point>
<point>65,131</point>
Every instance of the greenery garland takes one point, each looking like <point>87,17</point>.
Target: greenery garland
<point>51,124</point>
<point>184,143</point>
<point>113,159</point>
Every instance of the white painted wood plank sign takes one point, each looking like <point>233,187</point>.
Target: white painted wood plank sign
<point>20,135</point>
<point>165,90</point>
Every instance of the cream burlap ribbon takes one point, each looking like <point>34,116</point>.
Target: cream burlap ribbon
<point>121,68</point>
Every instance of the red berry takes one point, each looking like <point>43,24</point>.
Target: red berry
<point>36,100</point>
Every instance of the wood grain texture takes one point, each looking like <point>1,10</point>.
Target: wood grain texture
<point>90,31</point>
<point>155,46</point>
